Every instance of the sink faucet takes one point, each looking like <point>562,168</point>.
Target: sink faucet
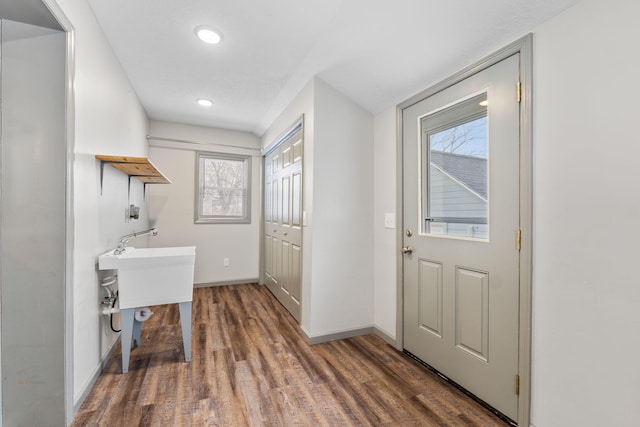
<point>122,244</point>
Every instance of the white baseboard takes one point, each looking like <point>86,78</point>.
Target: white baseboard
<point>388,339</point>
<point>225,283</point>
<point>334,336</point>
<point>94,377</point>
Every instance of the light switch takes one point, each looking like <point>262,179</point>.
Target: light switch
<point>390,220</point>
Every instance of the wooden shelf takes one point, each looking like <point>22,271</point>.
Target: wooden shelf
<point>140,168</point>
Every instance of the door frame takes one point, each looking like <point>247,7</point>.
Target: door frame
<point>68,284</point>
<point>297,125</point>
<point>523,47</point>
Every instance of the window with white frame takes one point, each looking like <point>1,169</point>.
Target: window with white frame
<point>223,188</point>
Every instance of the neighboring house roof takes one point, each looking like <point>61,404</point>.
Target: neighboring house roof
<point>469,170</point>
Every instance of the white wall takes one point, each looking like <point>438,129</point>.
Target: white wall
<point>108,120</point>
<point>342,276</point>
<point>586,330</point>
<point>302,104</point>
<point>384,248</point>
<point>32,230</point>
<point>585,292</point>
<point>171,207</point>
<point>337,284</point>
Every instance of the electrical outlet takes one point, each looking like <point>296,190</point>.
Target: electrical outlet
<point>225,262</point>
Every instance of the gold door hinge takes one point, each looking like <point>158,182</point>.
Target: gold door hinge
<point>519,92</point>
<point>518,239</point>
<point>517,385</point>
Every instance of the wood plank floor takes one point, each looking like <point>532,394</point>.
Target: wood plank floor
<point>251,367</point>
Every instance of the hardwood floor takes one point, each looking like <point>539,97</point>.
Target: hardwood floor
<point>251,367</point>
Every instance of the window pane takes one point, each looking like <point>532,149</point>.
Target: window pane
<point>456,148</point>
<point>223,188</point>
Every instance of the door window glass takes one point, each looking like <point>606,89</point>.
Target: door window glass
<point>455,180</point>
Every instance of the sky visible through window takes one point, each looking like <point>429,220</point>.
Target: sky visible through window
<point>468,138</point>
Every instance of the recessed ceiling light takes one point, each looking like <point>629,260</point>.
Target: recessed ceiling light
<point>205,102</point>
<point>208,34</point>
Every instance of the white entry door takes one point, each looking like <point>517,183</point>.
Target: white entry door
<point>461,220</point>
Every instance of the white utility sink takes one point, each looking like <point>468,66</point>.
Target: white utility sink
<point>152,276</point>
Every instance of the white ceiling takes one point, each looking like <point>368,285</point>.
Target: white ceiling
<point>377,52</point>
<point>32,12</point>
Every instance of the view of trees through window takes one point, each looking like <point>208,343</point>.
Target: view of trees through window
<point>468,138</point>
<point>456,198</point>
<point>223,187</point>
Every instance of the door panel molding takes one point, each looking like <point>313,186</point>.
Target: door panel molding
<point>523,47</point>
<point>472,312</point>
<point>430,289</point>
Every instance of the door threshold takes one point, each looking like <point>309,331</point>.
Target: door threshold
<point>481,402</point>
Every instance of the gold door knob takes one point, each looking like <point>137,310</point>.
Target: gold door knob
<point>407,249</point>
